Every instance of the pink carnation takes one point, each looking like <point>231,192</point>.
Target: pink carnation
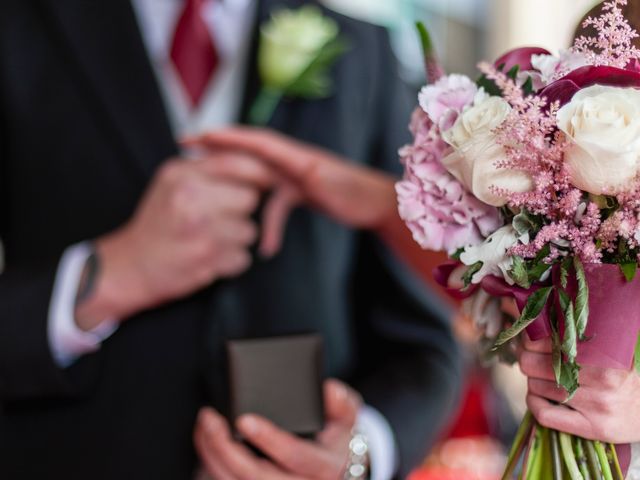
<point>446,98</point>
<point>440,213</point>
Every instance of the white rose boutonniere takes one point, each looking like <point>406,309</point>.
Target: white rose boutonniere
<point>297,48</point>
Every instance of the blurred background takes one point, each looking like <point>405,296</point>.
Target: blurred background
<point>465,32</point>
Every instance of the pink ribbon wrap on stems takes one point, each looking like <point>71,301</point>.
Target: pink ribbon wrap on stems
<point>614,316</point>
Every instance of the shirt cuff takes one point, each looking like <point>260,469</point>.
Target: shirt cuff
<point>383,453</point>
<point>634,468</point>
<point>66,340</point>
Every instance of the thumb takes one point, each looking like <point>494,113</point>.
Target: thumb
<point>274,219</point>
<point>342,403</point>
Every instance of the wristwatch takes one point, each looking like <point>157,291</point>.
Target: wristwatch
<point>358,464</point>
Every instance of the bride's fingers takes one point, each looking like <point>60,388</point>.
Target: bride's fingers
<point>239,167</point>
<point>537,365</point>
<point>547,389</point>
<point>274,219</point>
<point>559,417</point>
<point>288,155</point>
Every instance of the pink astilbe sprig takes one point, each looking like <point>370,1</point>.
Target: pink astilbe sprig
<point>613,46</point>
<point>529,138</point>
<point>533,144</point>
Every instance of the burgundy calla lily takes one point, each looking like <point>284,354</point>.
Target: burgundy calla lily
<point>565,88</point>
<point>520,57</point>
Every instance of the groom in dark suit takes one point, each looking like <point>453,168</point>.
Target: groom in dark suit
<point>127,266</point>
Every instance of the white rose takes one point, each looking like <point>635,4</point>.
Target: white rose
<point>476,152</point>
<point>604,124</point>
<point>290,41</point>
<point>493,254</point>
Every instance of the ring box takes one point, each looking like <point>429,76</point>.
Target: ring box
<point>279,378</point>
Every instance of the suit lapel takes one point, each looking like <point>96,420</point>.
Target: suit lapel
<point>107,49</point>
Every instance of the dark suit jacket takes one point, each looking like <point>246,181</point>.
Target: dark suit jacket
<point>82,129</point>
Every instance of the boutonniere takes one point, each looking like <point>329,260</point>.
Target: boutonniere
<point>297,48</point>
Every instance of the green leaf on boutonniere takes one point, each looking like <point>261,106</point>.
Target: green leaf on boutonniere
<point>315,82</point>
<point>582,299</point>
<point>532,310</point>
<point>629,270</point>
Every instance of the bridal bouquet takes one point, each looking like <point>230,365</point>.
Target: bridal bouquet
<point>529,178</point>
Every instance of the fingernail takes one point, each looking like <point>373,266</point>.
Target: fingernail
<point>249,425</point>
<point>340,391</point>
<point>211,420</point>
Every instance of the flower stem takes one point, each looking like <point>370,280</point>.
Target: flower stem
<point>581,457</point>
<point>569,457</point>
<point>264,106</point>
<point>612,455</point>
<point>555,455</point>
<point>531,452</point>
<point>592,459</point>
<point>604,461</point>
<point>519,443</point>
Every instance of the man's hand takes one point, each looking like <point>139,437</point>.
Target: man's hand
<point>605,407</point>
<point>357,196</point>
<point>192,227</point>
<point>289,457</point>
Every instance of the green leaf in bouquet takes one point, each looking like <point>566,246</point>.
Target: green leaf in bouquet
<point>527,87</point>
<point>629,270</point>
<point>569,378</point>
<point>457,253</point>
<point>513,73</point>
<point>467,278</point>
<point>489,86</point>
<point>569,340</point>
<point>603,202</point>
<point>519,273</point>
<point>526,222</point>
<point>582,299</point>
<point>556,348</point>
<point>564,271</point>
<point>532,310</point>
<point>537,271</point>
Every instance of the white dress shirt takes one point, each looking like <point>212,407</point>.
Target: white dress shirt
<point>231,24</point>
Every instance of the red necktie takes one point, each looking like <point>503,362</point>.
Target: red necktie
<point>193,52</point>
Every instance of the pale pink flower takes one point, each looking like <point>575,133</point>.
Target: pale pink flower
<point>440,213</point>
<point>446,98</point>
<point>552,68</point>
